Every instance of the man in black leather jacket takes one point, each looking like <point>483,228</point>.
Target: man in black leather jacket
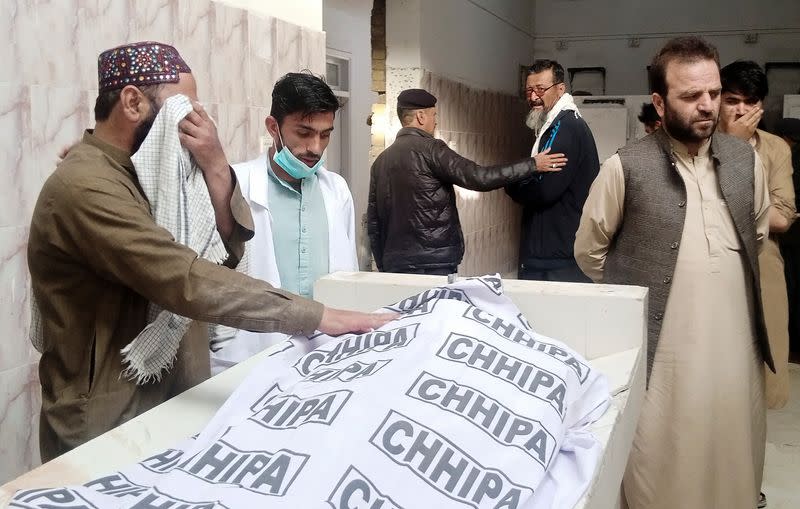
<point>412,217</point>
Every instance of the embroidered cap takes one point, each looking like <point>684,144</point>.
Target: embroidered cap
<point>140,63</point>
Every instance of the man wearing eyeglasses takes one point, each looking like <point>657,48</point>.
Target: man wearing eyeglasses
<point>553,201</point>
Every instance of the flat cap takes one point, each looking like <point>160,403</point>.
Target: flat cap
<point>789,127</point>
<point>415,98</point>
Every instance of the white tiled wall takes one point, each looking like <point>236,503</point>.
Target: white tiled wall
<point>48,86</point>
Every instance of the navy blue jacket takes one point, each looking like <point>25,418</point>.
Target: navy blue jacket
<point>553,202</point>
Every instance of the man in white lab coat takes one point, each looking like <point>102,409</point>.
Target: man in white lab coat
<point>303,213</point>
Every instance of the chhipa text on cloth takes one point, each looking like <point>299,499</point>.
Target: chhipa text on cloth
<point>456,404</point>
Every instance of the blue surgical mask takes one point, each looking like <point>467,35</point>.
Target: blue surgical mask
<point>291,164</point>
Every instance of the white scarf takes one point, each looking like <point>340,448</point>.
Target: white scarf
<point>566,102</point>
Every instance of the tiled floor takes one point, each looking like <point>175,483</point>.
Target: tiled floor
<point>782,469</point>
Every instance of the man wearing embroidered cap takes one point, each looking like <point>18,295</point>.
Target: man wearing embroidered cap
<point>412,217</point>
<point>97,259</point>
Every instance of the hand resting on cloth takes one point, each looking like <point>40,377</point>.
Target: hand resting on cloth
<point>458,403</point>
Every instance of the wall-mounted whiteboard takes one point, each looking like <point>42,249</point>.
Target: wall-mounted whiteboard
<point>609,125</point>
<point>791,106</point>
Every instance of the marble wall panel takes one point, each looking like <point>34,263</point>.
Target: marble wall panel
<point>286,48</point>
<point>232,124</point>
<point>58,119</point>
<point>260,33</point>
<point>20,401</point>
<point>260,78</point>
<point>18,20</point>
<point>102,25</point>
<point>154,20</point>
<point>17,162</point>
<point>42,30</point>
<point>229,56</point>
<point>14,298</point>
<point>193,32</point>
<point>8,50</point>
<point>312,51</point>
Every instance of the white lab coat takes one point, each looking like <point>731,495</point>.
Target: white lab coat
<point>253,180</point>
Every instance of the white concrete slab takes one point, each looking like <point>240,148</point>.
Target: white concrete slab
<point>595,320</point>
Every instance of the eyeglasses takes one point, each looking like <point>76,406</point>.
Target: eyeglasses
<point>539,91</point>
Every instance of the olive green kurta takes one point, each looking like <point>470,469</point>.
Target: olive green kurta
<point>777,159</point>
<point>96,258</point>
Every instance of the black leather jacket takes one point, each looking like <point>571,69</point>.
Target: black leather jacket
<point>412,217</point>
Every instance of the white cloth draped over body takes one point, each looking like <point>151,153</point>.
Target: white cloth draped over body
<point>457,403</point>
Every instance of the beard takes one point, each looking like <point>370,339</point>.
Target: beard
<point>688,130</point>
<point>535,120</point>
<point>143,129</point>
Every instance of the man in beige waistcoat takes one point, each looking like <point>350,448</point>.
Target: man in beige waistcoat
<point>683,212</point>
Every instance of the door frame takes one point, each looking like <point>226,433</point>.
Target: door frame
<point>342,93</point>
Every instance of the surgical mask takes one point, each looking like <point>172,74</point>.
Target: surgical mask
<point>291,164</point>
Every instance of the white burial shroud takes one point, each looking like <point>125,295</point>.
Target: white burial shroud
<point>456,404</point>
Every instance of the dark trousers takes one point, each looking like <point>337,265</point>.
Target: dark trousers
<point>561,270</point>
<point>431,271</point>
<point>791,267</point>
